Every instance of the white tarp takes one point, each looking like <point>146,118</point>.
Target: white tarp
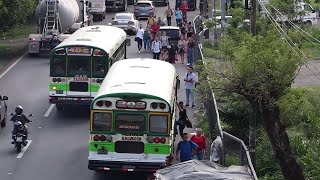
<point>203,170</point>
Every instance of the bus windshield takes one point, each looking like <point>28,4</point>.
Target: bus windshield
<point>130,122</point>
<point>78,65</point>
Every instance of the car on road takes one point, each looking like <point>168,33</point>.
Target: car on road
<point>127,22</point>
<point>3,110</point>
<point>143,9</point>
<point>172,32</point>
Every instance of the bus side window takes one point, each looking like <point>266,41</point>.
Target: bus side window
<point>119,54</point>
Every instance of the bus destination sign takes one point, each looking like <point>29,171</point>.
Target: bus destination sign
<point>79,51</point>
<point>131,105</point>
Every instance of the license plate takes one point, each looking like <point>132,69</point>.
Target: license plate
<point>19,139</point>
<point>59,91</point>
<point>102,151</point>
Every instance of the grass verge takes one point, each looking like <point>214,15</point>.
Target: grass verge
<point>19,32</point>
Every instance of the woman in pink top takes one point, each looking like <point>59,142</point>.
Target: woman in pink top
<point>200,140</point>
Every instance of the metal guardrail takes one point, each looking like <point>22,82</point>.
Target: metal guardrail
<point>232,147</point>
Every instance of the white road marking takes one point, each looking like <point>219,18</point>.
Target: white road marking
<point>24,149</point>
<point>9,173</point>
<point>49,110</point>
<point>12,65</point>
<point>39,127</point>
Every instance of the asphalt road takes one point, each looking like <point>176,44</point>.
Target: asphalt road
<point>58,147</point>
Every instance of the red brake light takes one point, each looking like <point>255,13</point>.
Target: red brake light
<point>162,105</point>
<point>154,105</point>
<point>107,103</point>
<point>156,140</point>
<point>163,140</point>
<point>96,138</point>
<point>99,103</point>
<point>54,80</point>
<point>102,138</point>
<point>98,52</point>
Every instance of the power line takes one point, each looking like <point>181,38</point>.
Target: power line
<point>278,27</point>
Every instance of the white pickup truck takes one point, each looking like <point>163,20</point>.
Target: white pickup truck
<point>309,17</point>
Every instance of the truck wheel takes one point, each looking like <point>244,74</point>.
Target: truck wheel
<point>308,23</point>
<point>59,107</point>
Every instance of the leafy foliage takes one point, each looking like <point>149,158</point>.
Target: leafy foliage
<point>13,12</point>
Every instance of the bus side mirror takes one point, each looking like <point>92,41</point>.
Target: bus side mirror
<point>128,41</point>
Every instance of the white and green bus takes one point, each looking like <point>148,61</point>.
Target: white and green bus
<point>79,64</point>
<point>132,116</point>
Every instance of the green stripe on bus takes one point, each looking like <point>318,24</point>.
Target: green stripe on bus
<point>148,148</point>
<point>65,87</point>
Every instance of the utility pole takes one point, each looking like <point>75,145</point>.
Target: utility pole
<point>210,7</point>
<point>253,113</point>
<point>223,13</point>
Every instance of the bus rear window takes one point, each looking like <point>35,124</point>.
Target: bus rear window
<point>158,123</point>
<point>78,65</point>
<point>130,122</point>
<point>101,121</point>
<point>58,67</point>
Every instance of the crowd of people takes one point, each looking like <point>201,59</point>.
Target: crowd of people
<point>151,38</point>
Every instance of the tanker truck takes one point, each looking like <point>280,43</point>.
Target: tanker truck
<point>60,17</point>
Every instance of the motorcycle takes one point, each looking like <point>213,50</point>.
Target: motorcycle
<point>19,134</point>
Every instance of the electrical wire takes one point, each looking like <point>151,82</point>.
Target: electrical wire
<point>291,44</point>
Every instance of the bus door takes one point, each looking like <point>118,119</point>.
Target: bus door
<point>79,71</point>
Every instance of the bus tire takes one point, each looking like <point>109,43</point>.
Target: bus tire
<point>59,107</point>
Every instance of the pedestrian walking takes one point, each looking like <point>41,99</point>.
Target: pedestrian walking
<point>190,80</point>
<point>178,14</point>
<point>160,22</point>
<point>181,48</point>
<point>185,149</point>
<point>151,21</point>
<point>173,51</point>
<point>191,44</point>
<point>156,48</point>
<point>200,140</point>
<point>169,14</point>
<point>184,8</point>
<point>139,37</point>
<point>146,40</point>
<point>164,40</point>
<point>182,121</point>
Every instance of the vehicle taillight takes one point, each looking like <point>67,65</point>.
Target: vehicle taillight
<point>102,138</point>
<point>99,103</point>
<point>108,103</point>
<point>54,80</point>
<point>156,140</point>
<point>163,140</point>
<point>162,106</point>
<point>96,138</point>
<point>98,52</point>
<point>154,105</point>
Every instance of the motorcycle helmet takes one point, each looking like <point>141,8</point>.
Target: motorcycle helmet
<point>19,110</point>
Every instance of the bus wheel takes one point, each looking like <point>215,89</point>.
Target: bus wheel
<point>59,107</point>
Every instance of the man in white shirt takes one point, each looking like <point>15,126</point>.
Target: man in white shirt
<point>139,37</point>
<point>190,80</point>
<point>156,48</point>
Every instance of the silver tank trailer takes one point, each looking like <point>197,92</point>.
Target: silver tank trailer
<point>69,13</point>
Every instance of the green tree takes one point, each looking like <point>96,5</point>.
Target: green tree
<point>261,69</point>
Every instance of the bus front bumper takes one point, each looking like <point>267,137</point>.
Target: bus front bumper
<point>123,166</point>
<point>70,100</point>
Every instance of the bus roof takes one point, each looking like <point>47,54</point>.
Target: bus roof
<point>96,36</point>
<point>139,76</point>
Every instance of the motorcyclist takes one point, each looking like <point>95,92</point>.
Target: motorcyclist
<point>54,41</point>
<point>20,117</point>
